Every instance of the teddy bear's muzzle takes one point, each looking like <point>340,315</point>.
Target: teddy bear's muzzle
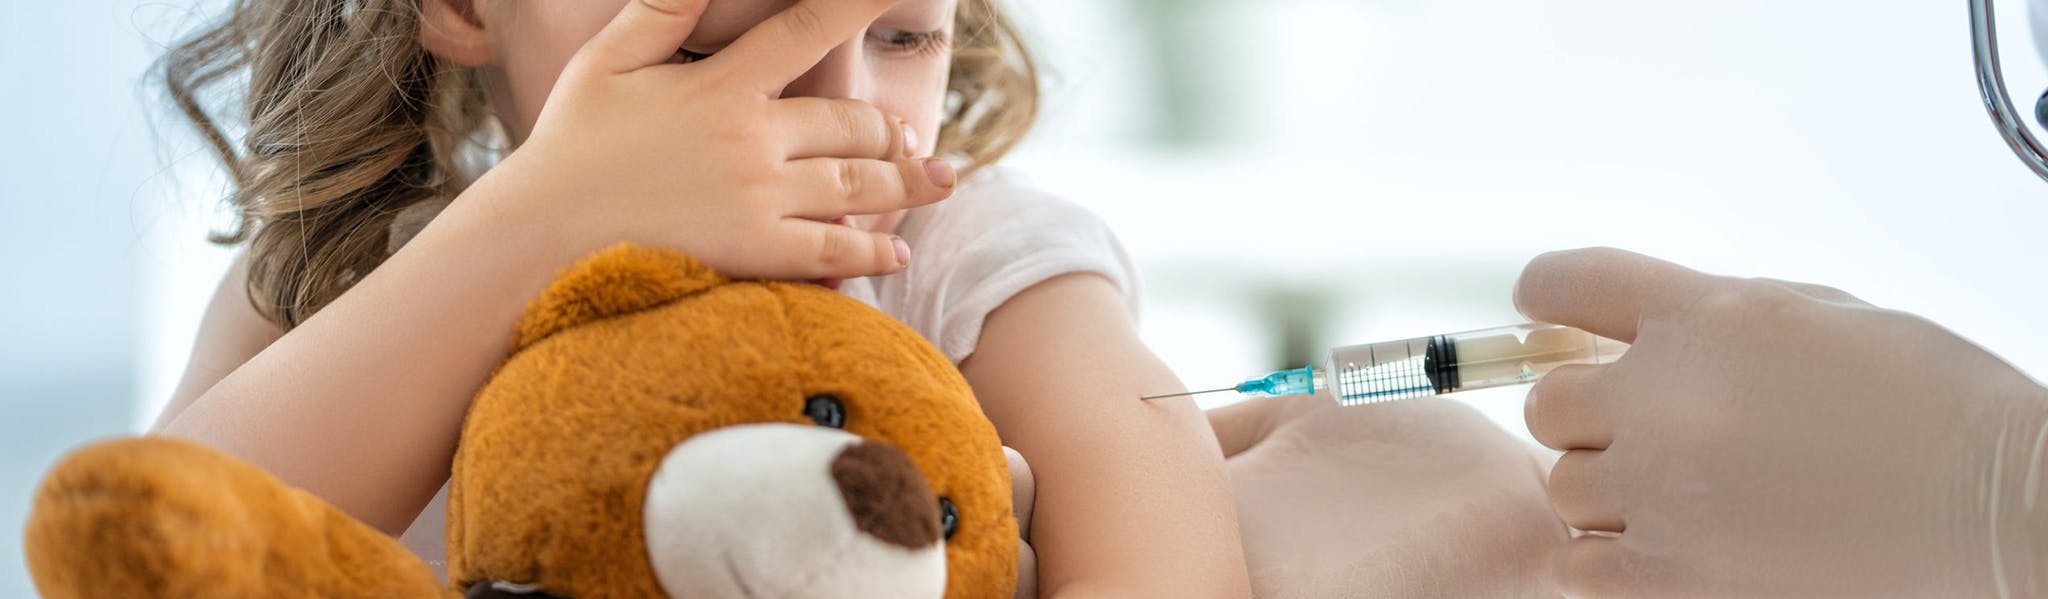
<point>777,510</point>
<point>780,510</point>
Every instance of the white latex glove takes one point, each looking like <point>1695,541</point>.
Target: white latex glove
<point>1765,438</point>
<point>1422,498</point>
<point>1417,498</point>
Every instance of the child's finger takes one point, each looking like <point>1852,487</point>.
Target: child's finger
<point>1023,490</point>
<point>828,188</point>
<point>645,33</point>
<point>842,128</point>
<point>816,250</point>
<point>1027,570</point>
<point>787,45</point>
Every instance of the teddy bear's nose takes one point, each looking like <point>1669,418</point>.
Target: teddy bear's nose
<point>887,496</point>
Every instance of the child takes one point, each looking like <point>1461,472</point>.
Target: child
<point>380,277</point>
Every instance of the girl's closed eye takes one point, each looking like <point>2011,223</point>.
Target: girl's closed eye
<point>915,43</point>
<point>918,43</point>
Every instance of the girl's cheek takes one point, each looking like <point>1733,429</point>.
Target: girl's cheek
<point>535,42</point>
<point>915,91</point>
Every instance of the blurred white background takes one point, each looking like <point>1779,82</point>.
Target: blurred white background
<point>1289,173</point>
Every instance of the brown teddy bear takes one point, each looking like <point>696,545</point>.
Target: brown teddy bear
<point>657,431</point>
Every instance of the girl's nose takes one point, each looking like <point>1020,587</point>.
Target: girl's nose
<point>842,74</point>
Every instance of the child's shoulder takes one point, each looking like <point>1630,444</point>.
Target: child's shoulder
<point>997,236</point>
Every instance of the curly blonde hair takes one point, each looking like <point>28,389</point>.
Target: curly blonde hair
<point>348,121</point>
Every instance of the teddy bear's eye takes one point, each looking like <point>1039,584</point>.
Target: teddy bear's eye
<point>949,517</point>
<point>825,410</point>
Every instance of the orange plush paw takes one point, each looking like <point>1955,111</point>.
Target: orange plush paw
<point>158,517</point>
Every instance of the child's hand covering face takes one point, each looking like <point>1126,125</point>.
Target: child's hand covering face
<point>644,139</point>
<point>899,63</point>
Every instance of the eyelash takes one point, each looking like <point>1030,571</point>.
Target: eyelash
<point>920,43</point>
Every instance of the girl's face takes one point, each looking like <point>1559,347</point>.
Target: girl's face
<point>899,64</point>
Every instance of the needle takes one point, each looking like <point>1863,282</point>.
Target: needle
<point>1186,393</point>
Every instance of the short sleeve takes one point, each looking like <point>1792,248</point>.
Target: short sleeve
<point>993,239</point>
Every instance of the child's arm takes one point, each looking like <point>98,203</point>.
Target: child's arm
<point>1132,498</point>
<point>362,403</point>
<point>230,333</point>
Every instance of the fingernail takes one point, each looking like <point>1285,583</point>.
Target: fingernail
<point>939,171</point>
<point>909,139</point>
<point>902,251</point>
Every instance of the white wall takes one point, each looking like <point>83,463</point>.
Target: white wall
<point>1406,157</point>
<point>77,170</point>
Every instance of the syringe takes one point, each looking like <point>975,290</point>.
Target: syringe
<point>1435,365</point>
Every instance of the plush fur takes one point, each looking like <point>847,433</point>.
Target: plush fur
<point>629,354</point>
<point>157,517</point>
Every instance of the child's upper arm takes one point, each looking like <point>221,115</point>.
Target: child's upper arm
<point>1132,499</point>
<point>230,333</point>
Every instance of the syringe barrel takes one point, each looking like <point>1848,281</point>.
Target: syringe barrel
<point>1439,364</point>
<point>1523,353</point>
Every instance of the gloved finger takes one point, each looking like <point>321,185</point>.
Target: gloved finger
<point>784,47</point>
<point>1023,490</point>
<point>1605,566</point>
<point>1565,409</point>
<point>645,33</point>
<point>1586,492</point>
<point>1605,291</point>
<point>1244,425</point>
<point>1819,292</point>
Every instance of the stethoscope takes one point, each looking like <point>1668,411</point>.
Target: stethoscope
<point>1991,83</point>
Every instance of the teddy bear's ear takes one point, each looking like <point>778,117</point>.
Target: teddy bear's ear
<point>618,280</point>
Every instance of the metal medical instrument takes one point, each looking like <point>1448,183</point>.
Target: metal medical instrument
<point>1434,365</point>
<point>1991,84</point>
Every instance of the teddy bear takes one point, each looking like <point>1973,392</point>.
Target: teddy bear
<point>657,431</point>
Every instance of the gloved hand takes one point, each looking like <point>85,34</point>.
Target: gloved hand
<point>1766,438</point>
<point>1420,498</point>
<point>1417,498</point>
